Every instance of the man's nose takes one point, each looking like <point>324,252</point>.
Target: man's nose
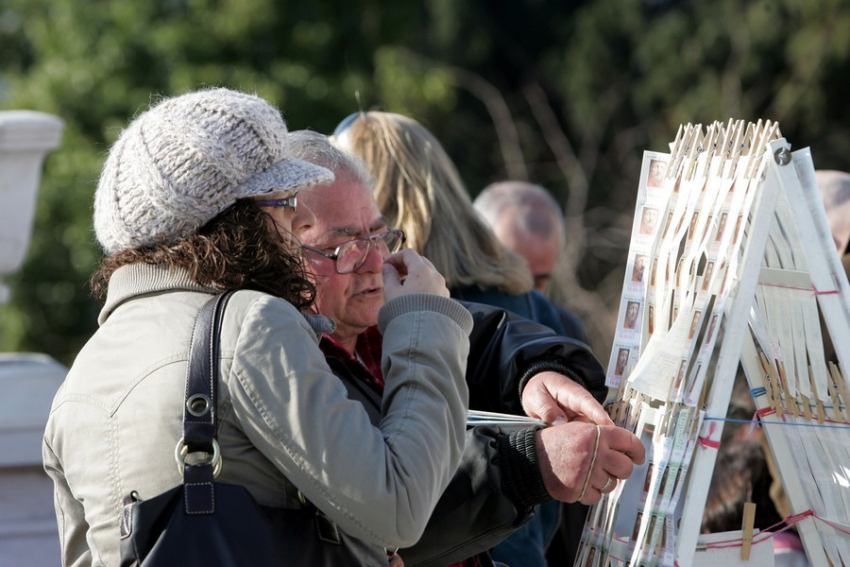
<point>374,261</point>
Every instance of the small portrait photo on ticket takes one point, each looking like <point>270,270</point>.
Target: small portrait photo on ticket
<point>648,220</point>
<point>657,171</point>
<point>631,317</point>
<point>639,268</point>
<point>622,361</point>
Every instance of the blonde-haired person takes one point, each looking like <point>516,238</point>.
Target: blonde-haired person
<point>419,190</point>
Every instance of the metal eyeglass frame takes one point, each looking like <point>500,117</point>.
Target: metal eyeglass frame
<point>371,241</point>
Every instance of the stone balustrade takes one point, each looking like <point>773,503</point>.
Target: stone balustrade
<point>28,382</point>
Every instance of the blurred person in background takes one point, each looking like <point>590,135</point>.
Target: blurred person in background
<point>835,192</point>
<point>528,221</point>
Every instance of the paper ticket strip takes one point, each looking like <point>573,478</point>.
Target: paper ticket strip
<point>731,262</point>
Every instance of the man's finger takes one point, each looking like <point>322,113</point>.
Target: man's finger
<point>618,439</point>
<point>391,276</point>
<point>592,409</point>
<point>547,410</point>
<point>614,463</point>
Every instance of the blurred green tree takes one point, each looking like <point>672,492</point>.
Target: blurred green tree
<point>566,94</point>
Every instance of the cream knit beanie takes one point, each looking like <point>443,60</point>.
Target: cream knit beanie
<point>184,161</point>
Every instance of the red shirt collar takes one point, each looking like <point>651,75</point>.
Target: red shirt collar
<point>368,352</point>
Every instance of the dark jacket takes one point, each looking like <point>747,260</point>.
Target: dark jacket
<point>498,481</point>
<point>531,305</point>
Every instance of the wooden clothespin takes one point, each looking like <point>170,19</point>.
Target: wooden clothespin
<point>767,377</point>
<point>807,406</point>
<point>832,389</point>
<point>835,393</point>
<point>681,149</point>
<point>747,140</point>
<point>790,401</point>
<point>703,394</point>
<point>618,406</point>
<point>674,147</point>
<point>747,529</point>
<point>693,152</point>
<point>756,150</point>
<point>721,146</point>
<point>843,394</point>
<point>818,402</point>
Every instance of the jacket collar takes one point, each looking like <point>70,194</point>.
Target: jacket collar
<point>133,280</point>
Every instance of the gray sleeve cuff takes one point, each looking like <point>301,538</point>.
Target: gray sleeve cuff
<point>425,302</point>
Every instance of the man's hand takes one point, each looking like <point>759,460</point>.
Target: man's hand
<point>565,454</point>
<point>555,399</point>
<point>407,272</point>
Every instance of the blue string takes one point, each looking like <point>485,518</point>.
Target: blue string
<point>778,423</point>
<point>756,392</point>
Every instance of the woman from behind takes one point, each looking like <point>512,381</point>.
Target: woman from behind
<point>198,197</point>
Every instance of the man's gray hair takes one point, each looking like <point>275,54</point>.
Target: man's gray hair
<point>318,149</point>
<point>538,212</point>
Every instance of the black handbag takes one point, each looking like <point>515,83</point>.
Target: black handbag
<point>207,523</point>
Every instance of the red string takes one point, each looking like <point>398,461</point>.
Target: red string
<point>769,411</point>
<point>831,292</point>
<point>764,411</point>
<point>812,289</point>
<point>768,533</point>
<point>707,441</point>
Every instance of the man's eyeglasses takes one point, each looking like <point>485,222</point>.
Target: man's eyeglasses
<point>290,202</point>
<point>349,256</point>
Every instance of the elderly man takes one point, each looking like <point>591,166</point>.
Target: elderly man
<point>505,472</point>
<point>528,221</point>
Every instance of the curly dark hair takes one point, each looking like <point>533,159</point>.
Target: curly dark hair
<point>236,250</point>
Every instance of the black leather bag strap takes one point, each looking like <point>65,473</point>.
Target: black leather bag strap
<point>200,406</point>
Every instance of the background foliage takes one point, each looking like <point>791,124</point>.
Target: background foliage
<point>566,94</point>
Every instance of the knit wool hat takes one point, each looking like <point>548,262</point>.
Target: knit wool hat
<point>187,159</point>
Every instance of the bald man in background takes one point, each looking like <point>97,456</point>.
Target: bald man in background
<point>528,220</point>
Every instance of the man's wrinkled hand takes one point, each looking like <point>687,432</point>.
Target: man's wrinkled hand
<point>579,461</point>
<point>555,399</point>
<point>407,272</point>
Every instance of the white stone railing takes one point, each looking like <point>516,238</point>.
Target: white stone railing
<point>28,382</point>
<point>25,138</point>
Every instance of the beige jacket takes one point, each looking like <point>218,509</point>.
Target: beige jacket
<point>285,420</point>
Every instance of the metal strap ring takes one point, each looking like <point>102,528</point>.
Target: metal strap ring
<point>198,405</point>
<point>181,451</point>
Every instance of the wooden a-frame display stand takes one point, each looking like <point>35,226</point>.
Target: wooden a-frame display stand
<point>682,335</point>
